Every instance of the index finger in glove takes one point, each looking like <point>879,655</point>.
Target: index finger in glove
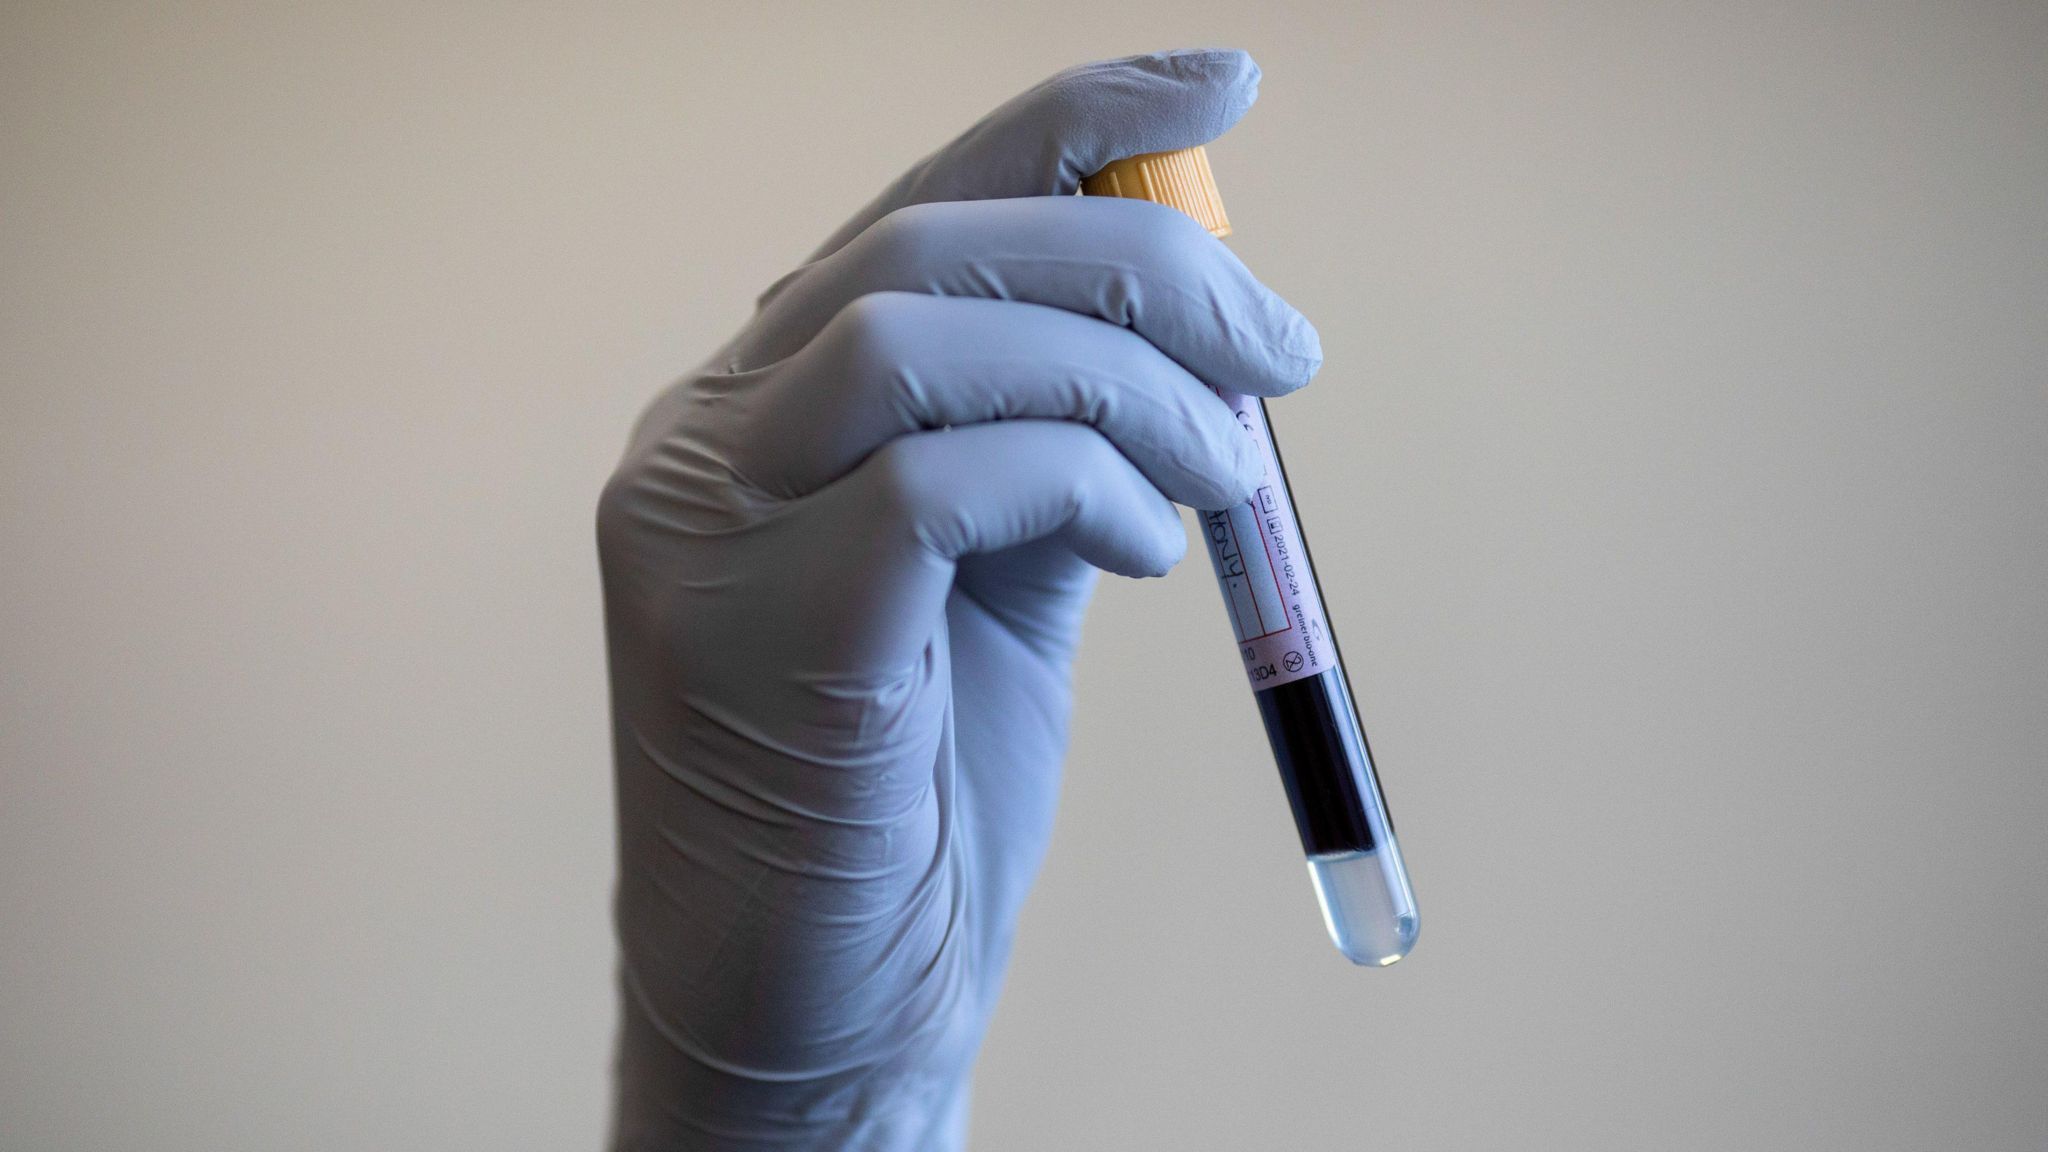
<point>1042,142</point>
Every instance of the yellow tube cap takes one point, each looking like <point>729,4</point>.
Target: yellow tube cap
<point>1178,179</point>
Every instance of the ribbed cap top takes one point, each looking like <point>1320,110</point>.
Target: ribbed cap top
<point>1178,179</point>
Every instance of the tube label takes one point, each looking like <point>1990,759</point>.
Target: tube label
<point>1262,566</point>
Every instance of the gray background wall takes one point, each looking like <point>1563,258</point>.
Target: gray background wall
<point>1677,476</point>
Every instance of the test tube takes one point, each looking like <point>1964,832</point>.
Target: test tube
<point>1290,654</point>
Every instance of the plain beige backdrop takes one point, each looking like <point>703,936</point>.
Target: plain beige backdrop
<point>1679,477</point>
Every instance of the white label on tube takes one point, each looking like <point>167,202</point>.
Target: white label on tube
<point>1263,570</point>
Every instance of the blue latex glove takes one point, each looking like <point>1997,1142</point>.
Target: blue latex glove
<point>845,566</point>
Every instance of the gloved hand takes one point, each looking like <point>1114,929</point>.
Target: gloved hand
<point>845,566</point>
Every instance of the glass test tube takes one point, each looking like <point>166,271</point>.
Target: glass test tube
<point>1269,587</point>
